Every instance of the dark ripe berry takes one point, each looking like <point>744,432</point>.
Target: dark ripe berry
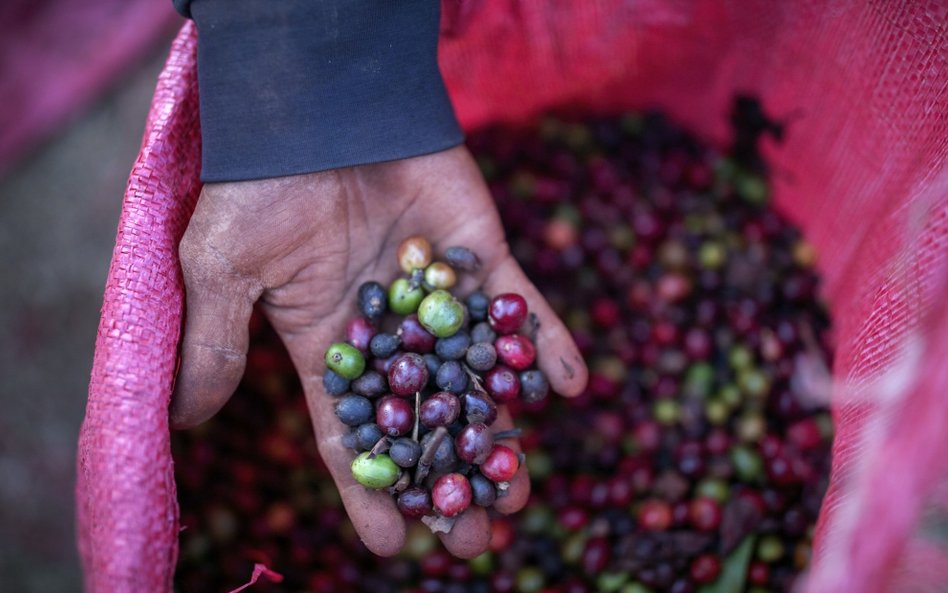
<point>534,386</point>
<point>474,443</point>
<point>705,569</point>
<point>354,410</point>
<point>454,347</point>
<point>681,586</point>
<point>440,275</point>
<point>372,299</point>
<point>444,458</point>
<point>462,258</point>
<point>483,491</point>
<point>451,495</point>
<point>384,345</point>
<point>477,304</point>
<point>370,384</point>
<point>359,333</point>
<point>655,515</point>
<point>758,573</point>
<point>704,513</point>
<point>335,384</point>
<point>501,464</point>
<point>452,377</point>
<point>441,409</point>
<point>483,333</point>
<point>507,312</point>
<point>479,407</point>
<point>515,351</point>
<point>414,253</point>
<point>408,374</point>
<point>405,452</point>
<point>502,383</point>
<point>432,363</point>
<point>394,416</point>
<point>367,435</point>
<point>481,356</point>
<point>414,337</point>
<point>595,557</point>
<point>414,502</point>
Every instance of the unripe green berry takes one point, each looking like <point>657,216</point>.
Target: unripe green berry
<point>403,298</point>
<point>374,472</point>
<point>441,314</point>
<point>345,360</point>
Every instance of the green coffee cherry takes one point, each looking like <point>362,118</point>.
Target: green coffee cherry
<point>403,298</point>
<point>345,360</point>
<point>441,314</point>
<point>374,472</point>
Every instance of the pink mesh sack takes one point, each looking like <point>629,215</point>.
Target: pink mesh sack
<point>862,169</point>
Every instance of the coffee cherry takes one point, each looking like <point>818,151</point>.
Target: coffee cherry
<point>345,360</point>
<point>515,351</point>
<point>481,356</point>
<point>705,514</point>
<point>440,275</point>
<point>374,472</point>
<point>478,407</point>
<point>501,464</point>
<point>483,491</point>
<point>441,409</point>
<point>372,299</point>
<point>414,253</point>
<point>462,258</point>
<point>534,386</point>
<point>367,435</point>
<point>414,337</point>
<point>507,312</point>
<point>444,458</point>
<point>408,374</point>
<point>502,383</point>
<point>353,410</point>
<point>477,303</point>
<point>359,332</point>
<point>403,298</point>
<point>482,333</point>
<point>655,515</point>
<point>334,384</point>
<point>414,502</point>
<point>405,452</point>
<point>453,347</point>
<point>451,377</point>
<point>394,416</point>
<point>441,314</point>
<point>384,345</point>
<point>474,443</point>
<point>370,384</point>
<point>451,495</point>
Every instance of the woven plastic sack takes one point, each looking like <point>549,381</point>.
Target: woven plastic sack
<point>862,169</point>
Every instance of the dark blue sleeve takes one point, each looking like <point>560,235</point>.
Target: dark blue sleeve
<point>299,86</point>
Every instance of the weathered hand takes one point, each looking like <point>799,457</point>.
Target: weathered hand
<point>302,246</point>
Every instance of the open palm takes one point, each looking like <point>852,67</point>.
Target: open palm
<point>302,246</point>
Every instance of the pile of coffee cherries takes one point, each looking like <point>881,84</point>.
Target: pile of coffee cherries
<point>420,399</point>
<point>697,458</point>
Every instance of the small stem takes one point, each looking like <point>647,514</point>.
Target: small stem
<point>513,433</point>
<point>473,376</point>
<point>380,447</point>
<point>414,431</point>
<point>428,453</point>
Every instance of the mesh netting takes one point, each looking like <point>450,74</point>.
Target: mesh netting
<point>862,169</point>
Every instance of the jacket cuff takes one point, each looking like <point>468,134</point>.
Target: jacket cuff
<point>296,86</point>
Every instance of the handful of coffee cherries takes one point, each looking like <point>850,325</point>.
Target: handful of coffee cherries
<point>418,379</point>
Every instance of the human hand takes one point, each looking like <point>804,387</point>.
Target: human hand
<point>302,245</point>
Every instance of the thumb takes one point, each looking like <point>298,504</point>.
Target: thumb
<point>214,347</point>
